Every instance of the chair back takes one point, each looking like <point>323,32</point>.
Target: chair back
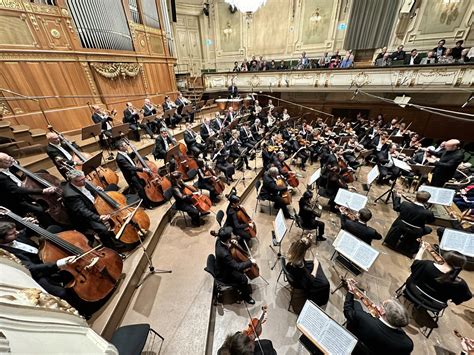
<point>421,298</point>
<point>131,339</point>
<point>287,274</point>
<point>219,217</point>
<point>211,265</point>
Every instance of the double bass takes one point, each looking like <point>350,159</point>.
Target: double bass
<point>53,203</point>
<point>101,176</point>
<point>155,185</point>
<point>94,271</point>
<point>184,164</point>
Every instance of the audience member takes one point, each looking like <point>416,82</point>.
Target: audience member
<point>413,59</point>
<point>399,54</point>
<point>457,50</point>
<point>429,59</point>
<point>440,49</point>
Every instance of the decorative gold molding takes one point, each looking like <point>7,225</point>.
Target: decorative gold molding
<point>114,70</point>
<point>90,81</point>
<point>11,4</point>
<point>3,253</point>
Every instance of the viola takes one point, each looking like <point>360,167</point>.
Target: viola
<point>102,177</point>
<point>95,271</point>
<point>434,254</point>
<point>240,255</point>
<point>373,309</point>
<point>184,163</point>
<point>54,205</point>
<point>202,202</point>
<point>155,185</point>
<point>254,328</point>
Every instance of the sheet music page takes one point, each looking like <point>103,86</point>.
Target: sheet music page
<point>439,196</point>
<point>354,249</point>
<point>343,197</point>
<point>316,175</point>
<point>344,243</point>
<point>372,175</point>
<point>458,241</point>
<point>280,226</point>
<point>350,199</point>
<point>365,255</point>
<point>324,331</point>
<point>401,164</point>
<point>358,201</point>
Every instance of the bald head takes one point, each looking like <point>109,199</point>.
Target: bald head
<point>6,161</point>
<point>452,144</point>
<point>52,138</point>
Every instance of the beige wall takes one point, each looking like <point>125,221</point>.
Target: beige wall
<point>282,28</point>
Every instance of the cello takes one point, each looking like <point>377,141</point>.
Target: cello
<point>244,217</point>
<point>216,182</point>
<point>94,271</point>
<point>240,255</point>
<point>285,195</point>
<point>202,202</point>
<point>184,164</point>
<point>292,179</point>
<point>101,176</point>
<point>54,205</point>
<point>155,184</point>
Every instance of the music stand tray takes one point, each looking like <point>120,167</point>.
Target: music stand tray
<point>172,152</point>
<point>91,131</point>
<point>92,163</point>
<point>421,170</point>
<point>187,109</point>
<point>169,113</point>
<point>148,119</point>
<point>118,131</point>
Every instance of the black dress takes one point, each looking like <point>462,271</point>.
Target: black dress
<point>316,288</point>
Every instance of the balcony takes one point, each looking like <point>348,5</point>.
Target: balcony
<point>426,78</point>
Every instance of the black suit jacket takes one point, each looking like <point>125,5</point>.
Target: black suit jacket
<point>99,119</point>
<point>160,148</point>
<point>215,124</point>
<point>130,117</point>
<point>80,208</point>
<point>233,91</point>
<point>417,60</point>
<point>270,189</point>
<point>12,194</point>
<point>204,132</point>
<point>398,55</point>
<point>128,170</point>
<point>373,333</point>
<point>32,261</point>
<point>359,230</point>
<point>412,213</point>
<point>148,111</point>
<point>226,264</point>
<point>54,154</point>
<point>189,138</point>
<point>446,166</point>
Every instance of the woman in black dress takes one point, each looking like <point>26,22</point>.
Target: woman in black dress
<point>308,275</point>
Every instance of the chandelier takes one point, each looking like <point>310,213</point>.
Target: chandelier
<point>246,6</point>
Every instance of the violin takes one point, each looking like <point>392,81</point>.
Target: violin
<point>54,205</point>
<point>202,202</point>
<point>347,175</point>
<point>240,255</point>
<point>101,176</point>
<point>95,271</point>
<point>155,185</point>
<point>351,215</point>
<point>254,328</point>
<point>469,343</point>
<point>374,310</point>
<point>184,163</point>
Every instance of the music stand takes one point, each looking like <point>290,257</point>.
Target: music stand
<point>120,130</point>
<point>91,131</point>
<point>389,193</point>
<point>396,139</point>
<point>92,164</point>
<point>148,119</point>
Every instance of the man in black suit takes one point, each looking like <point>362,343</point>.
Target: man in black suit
<point>181,101</point>
<point>388,170</point>
<point>413,58</point>
<point>272,192</point>
<point>191,143</point>
<point>79,200</point>
<point>440,49</point>
<point>59,153</point>
<point>359,227</point>
<point>16,197</point>
<point>171,120</point>
<point>218,123</point>
<point>162,144</point>
<point>233,91</point>
<point>399,54</point>
<point>228,270</point>
<point>410,224</point>
<point>129,170</point>
<point>131,117</point>
<point>445,166</point>
<point>232,221</point>
<point>382,335</point>
<point>206,131</point>
<point>246,136</point>
<point>149,109</point>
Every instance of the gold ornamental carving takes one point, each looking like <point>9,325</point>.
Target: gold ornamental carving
<point>360,80</point>
<point>114,70</point>
<point>3,253</point>
<point>55,33</point>
<point>11,4</point>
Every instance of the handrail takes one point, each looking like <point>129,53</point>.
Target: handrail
<point>299,105</point>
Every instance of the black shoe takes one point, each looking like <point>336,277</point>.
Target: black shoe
<point>205,213</point>
<point>320,238</point>
<point>249,300</point>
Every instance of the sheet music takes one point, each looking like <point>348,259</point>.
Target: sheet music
<point>354,249</point>
<point>316,175</point>
<point>458,241</point>
<point>279,226</point>
<point>373,175</point>
<point>401,164</point>
<point>323,331</point>
<point>439,196</point>
<point>351,200</point>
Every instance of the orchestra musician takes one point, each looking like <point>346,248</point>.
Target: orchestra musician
<point>79,201</point>
<point>284,115</point>
<point>440,281</point>
<point>104,119</point>
<point>233,91</point>
<point>299,146</point>
<point>308,275</point>
<point>175,119</point>
<point>228,270</point>
<point>218,124</point>
<point>309,217</point>
<point>181,101</point>
<point>220,157</point>
<point>47,275</point>
<point>17,198</point>
<point>149,109</point>
<point>446,162</point>
<point>236,151</point>
<point>357,225</point>
<point>59,153</point>
<point>125,162</point>
<point>241,344</point>
<point>382,335</point>
<point>205,175</point>
<point>256,129</point>
<point>162,144</point>
<point>388,170</point>
<point>230,116</point>
<point>410,224</point>
<point>267,157</point>
<point>190,138</point>
<point>131,116</point>
<point>183,201</point>
<point>232,221</point>
<point>246,136</point>
<point>206,131</point>
<point>272,191</point>
<point>333,182</point>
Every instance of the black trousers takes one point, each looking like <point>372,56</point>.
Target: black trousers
<point>197,149</point>
<point>280,204</point>
<point>192,212</point>
<point>244,236</point>
<point>227,168</point>
<point>238,280</point>
<point>204,185</point>
<point>136,186</point>
<point>403,238</point>
<point>315,224</point>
